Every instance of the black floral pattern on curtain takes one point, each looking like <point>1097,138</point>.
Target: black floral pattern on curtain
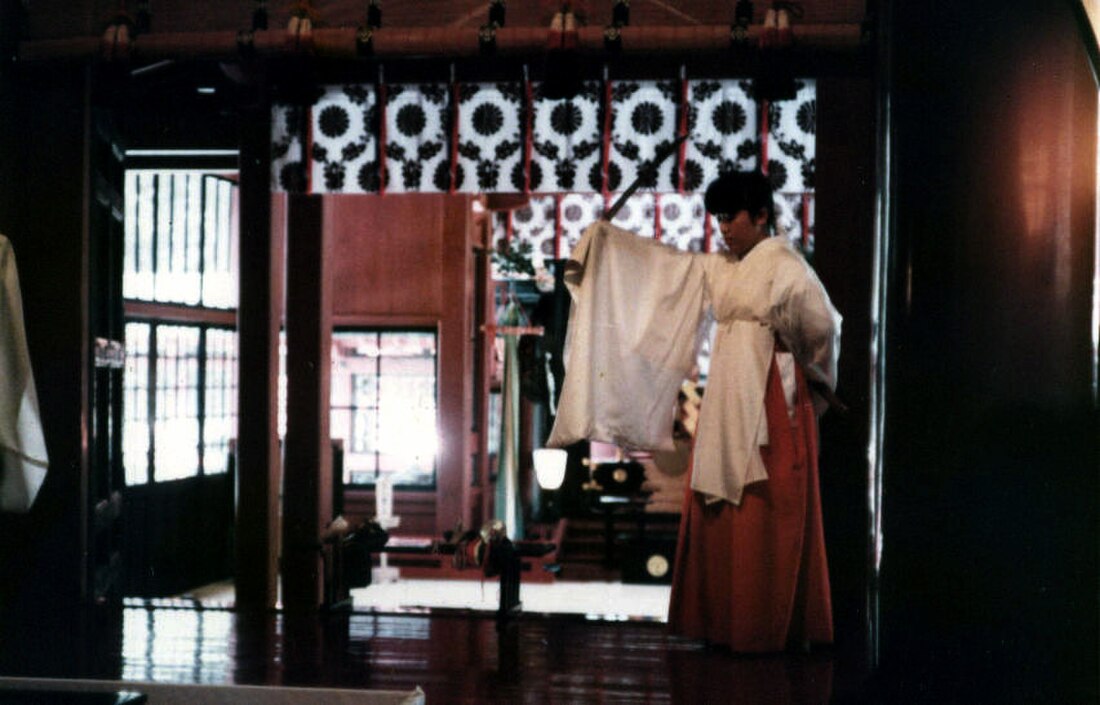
<point>643,122</point>
<point>345,145</point>
<point>566,140</point>
<point>792,138</point>
<point>724,131</point>
<point>288,168</point>
<point>417,138</point>
<point>490,138</point>
<point>487,135</point>
<point>682,221</point>
<point>637,215</point>
<point>578,211</point>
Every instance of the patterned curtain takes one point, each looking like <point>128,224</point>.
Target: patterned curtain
<point>345,145</point>
<point>490,139</point>
<point>417,138</point>
<point>643,120</point>
<point>723,129</point>
<point>566,141</point>
<point>572,156</point>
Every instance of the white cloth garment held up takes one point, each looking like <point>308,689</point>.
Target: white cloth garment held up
<point>634,332</point>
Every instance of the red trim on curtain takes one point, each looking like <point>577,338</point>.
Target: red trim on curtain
<point>508,231</point>
<point>657,216</point>
<point>557,226</point>
<point>529,134</point>
<point>682,130</point>
<point>764,137</point>
<point>605,151</point>
<point>455,94</point>
<point>307,148</point>
<point>381,138</point>
<point>805,219</point>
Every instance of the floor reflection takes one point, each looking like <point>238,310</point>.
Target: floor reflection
<point>454,658</point>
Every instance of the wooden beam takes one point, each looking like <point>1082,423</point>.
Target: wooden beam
<point>341,42</point>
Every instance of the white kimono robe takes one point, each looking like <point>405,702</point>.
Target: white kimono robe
<point>633,337</point>
<point>23,459</point>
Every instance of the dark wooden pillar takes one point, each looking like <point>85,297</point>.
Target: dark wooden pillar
<point>258,319</point>
<point>307,479</point>
<point>43,166</point>
<point>843,256</point>
<point>989,563</point>
<point>456,365</point>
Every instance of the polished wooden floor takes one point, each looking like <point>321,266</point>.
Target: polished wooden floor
<point>459,658</point>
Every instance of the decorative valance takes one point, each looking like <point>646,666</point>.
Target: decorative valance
<point>508,137</point>
<point>572,155</point>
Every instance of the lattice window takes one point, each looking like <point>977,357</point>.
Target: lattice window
<point>180,239</point>
<point>219,418</point>
<point>180,289</point>
<point>180,389</point>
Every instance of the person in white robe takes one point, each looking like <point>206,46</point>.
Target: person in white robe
<point>751,575</point>
<point>638,317</point>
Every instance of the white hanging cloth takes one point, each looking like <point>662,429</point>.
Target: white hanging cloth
<point>632,339</point>
<point>23,459</point>
<point>633,335</point>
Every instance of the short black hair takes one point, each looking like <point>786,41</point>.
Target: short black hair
<point>736,191</point>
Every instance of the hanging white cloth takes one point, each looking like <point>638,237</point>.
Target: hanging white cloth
<point>23,459</point>
<point>634,332</point>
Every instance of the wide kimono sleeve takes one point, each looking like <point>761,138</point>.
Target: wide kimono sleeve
<point>807,322</point>
<point>23,459</point>
<point>633,334</point>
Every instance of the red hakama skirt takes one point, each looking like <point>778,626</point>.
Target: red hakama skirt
<point>754,576</point>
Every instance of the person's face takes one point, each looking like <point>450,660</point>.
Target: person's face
<point>742,231</point>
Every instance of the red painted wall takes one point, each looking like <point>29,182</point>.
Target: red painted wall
<point>406,260</point>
